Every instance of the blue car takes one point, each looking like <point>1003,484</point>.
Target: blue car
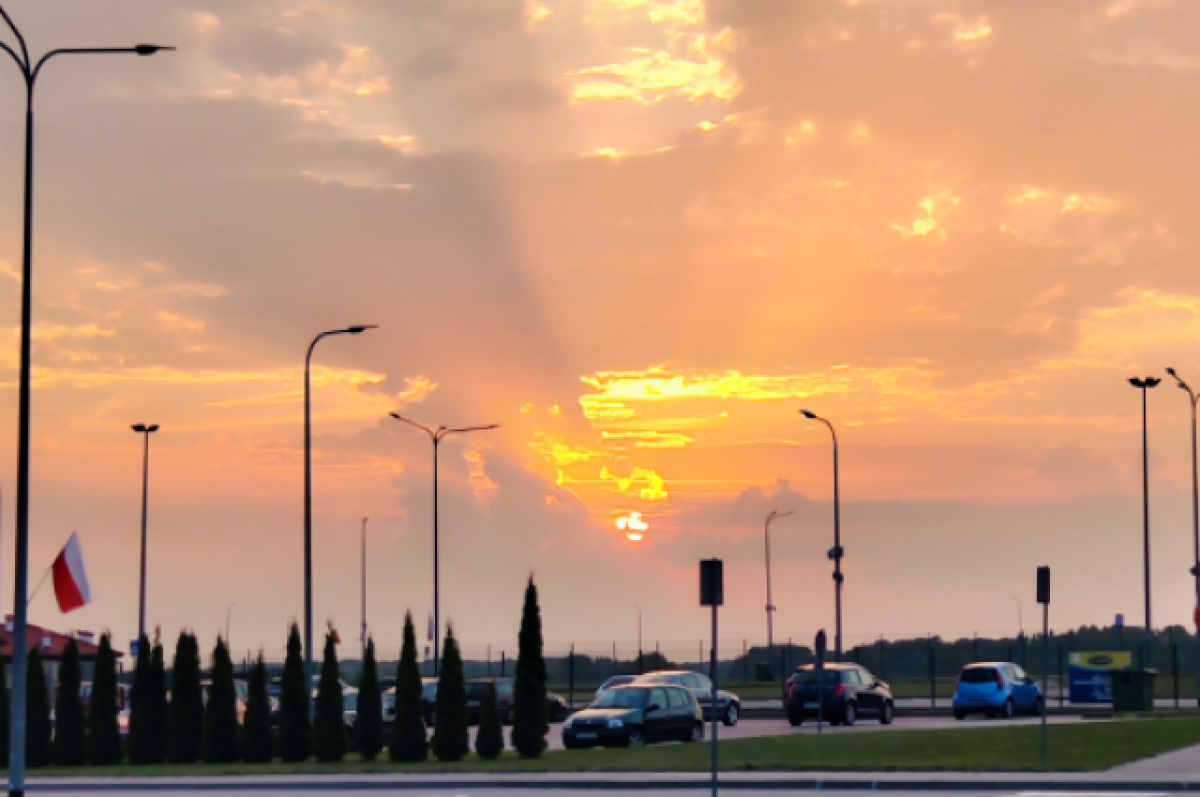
<point>996,690</point>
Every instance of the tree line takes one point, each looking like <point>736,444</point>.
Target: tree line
<point>187,721</point>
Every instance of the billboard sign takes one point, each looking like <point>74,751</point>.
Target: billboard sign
<point>1090,674</point>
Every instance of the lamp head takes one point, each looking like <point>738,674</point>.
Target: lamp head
<point>396,416</point>
<point>150,49</point>
<point>152,427</point>
<point>1133,380</point>
<point>1152,381</point>
<point>139,427</point>
<point>812,416</point>
<point>358,330</point>
<point>1171,371</point>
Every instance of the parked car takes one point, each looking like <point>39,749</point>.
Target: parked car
<point>476,689</point>
<point>428,698</point>
<point>557,709</point>
<point>729,705</point>
<point>846,693</point>
<point>350,709</point>
<point>615,681</point>
<point>634,715</point>
<point>996,689</point>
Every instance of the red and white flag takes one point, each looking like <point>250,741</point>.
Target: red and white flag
<point>70,578</point>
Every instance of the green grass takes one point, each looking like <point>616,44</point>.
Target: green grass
<point>1077,747</point>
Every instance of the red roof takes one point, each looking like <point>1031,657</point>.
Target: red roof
<point>52,650</point>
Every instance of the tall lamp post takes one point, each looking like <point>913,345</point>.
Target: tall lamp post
<point>836,553</point>
<point>1193,398</point>
<point>770,603</point>
<point>363,635</point>
<point>1144,384</point>
<point>145,431</point>
<point>30,71</point>
<point>308,626</point>
<point>639,608</point>
<point>436,436</point>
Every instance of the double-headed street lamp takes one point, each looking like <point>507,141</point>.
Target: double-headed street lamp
<point>30,71</point>
<point>770,604</point>
<point>145,431</point>
<point>1193,398</point>
<point>308,628</point>
<point>1144,384</point>
<point>436,436</point>
<point>836,552</point>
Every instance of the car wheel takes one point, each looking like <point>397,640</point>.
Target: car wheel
<point>731,715</point>
<point>635,739</point>
<point>990,714</point>
<point>888,715</point>
<point>697,734</point>
<point>1008,709</point>
<point>849,714</point>
<point>1038,707</point>
<point>795,719</point>
<point>959,714</point>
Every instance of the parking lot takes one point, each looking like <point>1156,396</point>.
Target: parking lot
<point>752,728</point>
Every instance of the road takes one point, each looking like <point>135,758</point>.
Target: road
<point>376,791</point>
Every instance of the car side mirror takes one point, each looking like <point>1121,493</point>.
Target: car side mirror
<point>653,707</point>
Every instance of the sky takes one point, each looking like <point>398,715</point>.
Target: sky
<point>640,235</point>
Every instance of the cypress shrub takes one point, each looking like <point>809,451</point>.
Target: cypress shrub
<point>70,729</point>
<point>330,723</point>
<point>489,743</point>
<point>409,742</point>
<point>37,713</point>
<point>102,714</point>
<point>529,690</point>
<point>368,725</point>
<point>5,715</point>
<point>186,726</point>
<point>295,731</point>
<point>220,712</point>
<point>156,701</point>
<point>141,713</point>
<point>257,741</point>
<point>450,737</point>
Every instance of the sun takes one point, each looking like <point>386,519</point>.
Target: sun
<point>634,527</point>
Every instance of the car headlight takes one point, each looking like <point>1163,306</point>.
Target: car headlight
<point>616,723</point>
<point>568,724</point>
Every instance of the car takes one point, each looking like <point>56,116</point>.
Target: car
<point>847,692</point>
<point>616,680</point>
<point>275,685</point>
<point>557,709</point>
<point>350,709</point>
<point>729,705</point>
<point>996,689</point>
<point>476,689</point>
<point>634,715</point>
<point>428,698</point>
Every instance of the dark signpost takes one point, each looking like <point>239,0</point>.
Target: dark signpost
<point>712,593</point>
<point>1043,597</point>
<point>819,646</point>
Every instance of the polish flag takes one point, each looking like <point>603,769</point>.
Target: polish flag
<point>70,578</point>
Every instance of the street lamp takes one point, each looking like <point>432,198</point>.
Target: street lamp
<point>308,628</point>
<point>639,608</point>
<point>145,431</point>
<point>436,436</point>
<point>836,553</point>
<point>1193,398</point>
<point>770,604</point>
<point>364,590</point>
<point>1144,384</point>
<point>30,71</point>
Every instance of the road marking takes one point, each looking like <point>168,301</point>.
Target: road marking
<point>1092,794</point>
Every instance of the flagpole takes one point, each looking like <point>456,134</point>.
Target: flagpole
<point>39,584</point>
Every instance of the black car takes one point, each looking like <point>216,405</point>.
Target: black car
<point>630,716</point>
<point>477,688</point>
<point>847,692</point>
<point>729,705</point>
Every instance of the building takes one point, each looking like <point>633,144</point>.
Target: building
<point>53,645</point>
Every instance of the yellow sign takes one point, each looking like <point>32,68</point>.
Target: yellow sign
<point>1106,660</point>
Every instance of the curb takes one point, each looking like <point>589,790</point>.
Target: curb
<point>606,784</point>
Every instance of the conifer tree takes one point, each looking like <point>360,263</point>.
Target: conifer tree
<point>156,700</point>
<point>450,735</point>
<point>489,743</point>
<point>368,725</point>
<point>187,703</point>
<point>257,740</point>
<point>141,710</point>
<point>70,729</point>
<point>37,713</point>
<point>529,690</point>
<point>105,705</point>
<point>409,742</point>
<point>330,723</point>
<point>220,712</point>
<point>295,728</point>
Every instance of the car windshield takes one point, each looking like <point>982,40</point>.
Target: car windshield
<point>809,677</point>
<point>622,698</point>
<point>977,675</point>
<point>616,681</point>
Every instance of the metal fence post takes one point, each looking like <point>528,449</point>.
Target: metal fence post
<point>882,659</point>
<point>1175,667</point>
<point>932,666</point>
<point>614,666</point>
<point>1062,678</point>
<point>571,678</point>
<point>745,663</point>
<point>503,662</point>
<point>975,645</point>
